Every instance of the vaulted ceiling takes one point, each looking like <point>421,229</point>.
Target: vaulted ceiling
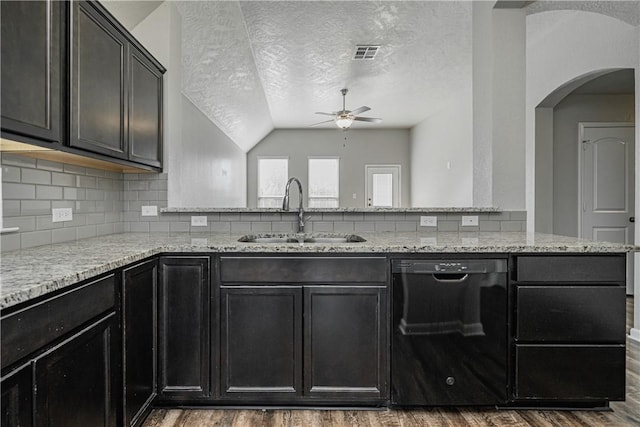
<point>252,66</point>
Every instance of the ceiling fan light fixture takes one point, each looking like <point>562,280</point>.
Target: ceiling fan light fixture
<point>343,121</point>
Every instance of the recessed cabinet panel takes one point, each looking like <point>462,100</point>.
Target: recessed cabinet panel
<point>98,73</point>
<point>139,329</point>
<point>260,338</point>
<point>17,398</point>
<point>303,269</point>
<point>594,314</point>
<point>31,68</point>
<point>570,372</point>
<point>561,268</point>
<point>74,380</point>
<point>345,342</point>
<point>184,328</point>
<point>145,110</point>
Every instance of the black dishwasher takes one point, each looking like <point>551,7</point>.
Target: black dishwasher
<point>449,332</point>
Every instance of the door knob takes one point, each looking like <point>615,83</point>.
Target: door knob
<point>632,219</point>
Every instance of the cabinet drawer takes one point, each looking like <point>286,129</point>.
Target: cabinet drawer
<point>27,330</point>
<point>594,314</point>
<point>570,372</point>
<point>587,268</point>
<point>303,269</point>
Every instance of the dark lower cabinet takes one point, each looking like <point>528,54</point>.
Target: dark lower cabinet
<point>184,331</point>
<point>17,398</point>
<point>345,351</point>
<point>74,379</point>
<point>31,39</point>
<point>139,327</point>
<point>261,331</point>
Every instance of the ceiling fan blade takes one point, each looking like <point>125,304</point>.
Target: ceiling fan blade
<point>326,114</point>
<point>320,123</point>
<point>360,110</point>
<point>368,119</point>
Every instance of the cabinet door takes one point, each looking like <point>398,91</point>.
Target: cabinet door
<point>139,329</point>
<point>346,349</point>
<point>74,380</point>
<point>145,110</point>
<point>98,77</point>
<point>17,398</point>
<point>184,328</point>
<point>261,343</point>
<point>31,68</point>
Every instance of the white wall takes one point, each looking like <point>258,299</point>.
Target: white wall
<point>544,170</point>
<point>562,46</point>
<point>567,114</point>
<point>442,156</point>
<point>209,170</point>
<point>205,168</point>
<point>355,148</point>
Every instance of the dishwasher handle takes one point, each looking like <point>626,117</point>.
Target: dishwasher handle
<point>450,277</point>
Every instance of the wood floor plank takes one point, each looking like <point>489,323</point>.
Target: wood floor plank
<point>624,414</point>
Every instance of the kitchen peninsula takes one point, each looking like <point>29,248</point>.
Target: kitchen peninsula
<point>116,306</point>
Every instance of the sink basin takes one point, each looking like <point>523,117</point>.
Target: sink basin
<point>301,238</point>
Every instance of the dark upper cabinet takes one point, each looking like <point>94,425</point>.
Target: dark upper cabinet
<point>351,320</point>
<point>98,76</point>
<point>261,331</point>
<point>74,380</point>
<point>17,398</point>
<point>139,330</point>
<point>145,110</point>
<point>32,50</point>
<point>184,332</point>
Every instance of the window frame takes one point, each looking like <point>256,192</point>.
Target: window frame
<point>260,197</point>
<point>310,198</point>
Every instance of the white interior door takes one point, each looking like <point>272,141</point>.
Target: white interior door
<point>607,183</point>
<point>383,185</point>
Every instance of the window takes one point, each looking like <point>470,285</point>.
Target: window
<point>324,182</point>
<point>273,173</point>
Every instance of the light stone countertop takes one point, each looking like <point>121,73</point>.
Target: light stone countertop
<point>334,210</point>
<point>29,273</point>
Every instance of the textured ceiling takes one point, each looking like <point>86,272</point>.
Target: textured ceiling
<point>253,66</point>
<point>626,11</point>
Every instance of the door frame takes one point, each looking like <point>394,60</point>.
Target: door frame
<point>581,129</point>
<point>386,165</point>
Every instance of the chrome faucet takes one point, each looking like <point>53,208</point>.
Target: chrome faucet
<point>285,202</point>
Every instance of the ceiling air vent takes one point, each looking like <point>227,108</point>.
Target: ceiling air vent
<point>366,52</point>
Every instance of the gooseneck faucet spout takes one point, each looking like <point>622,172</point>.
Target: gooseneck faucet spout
<point>285,202</point>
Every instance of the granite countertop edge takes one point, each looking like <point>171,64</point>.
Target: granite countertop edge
<point>489,209</point>
<point>31,273</point>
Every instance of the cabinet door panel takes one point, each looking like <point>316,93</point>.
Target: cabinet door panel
<point>345,342</point>
<point>567,268</point>
<point>261,342</point>
<point>98,96</point>
<point>139,328</point>
<point>587,314</point>
<point>17,398</point>
<point>73,380</point>
<point>31,68</point>
<point>184,328</point>
<point>570,372</point>
<point>145,110</point>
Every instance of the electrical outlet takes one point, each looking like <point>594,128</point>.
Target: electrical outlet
<point>198,221</point>
<point>428,221</point>
<point>61,214</point>
<point>470,221</point>
<point>149,211</point>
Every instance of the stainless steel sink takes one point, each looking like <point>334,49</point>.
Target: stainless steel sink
<point>302,238</point>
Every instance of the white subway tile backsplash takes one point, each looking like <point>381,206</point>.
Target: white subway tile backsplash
<point>86,231</point>
<point>35,207</point>
<point>11,174</point>
<point>35,238</point>
<point>18,191</point>
<point>49,165</point>
<point>48,192</point>
<point>63,235</point>
<point>35,176</point>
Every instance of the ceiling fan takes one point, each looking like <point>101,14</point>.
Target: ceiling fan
<point>344,118</point>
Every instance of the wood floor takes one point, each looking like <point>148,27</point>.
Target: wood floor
<point>623,413</point>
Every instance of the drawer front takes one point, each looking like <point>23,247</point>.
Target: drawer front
<point>25,331</point>
<point>303,269</point>
<point>571,314</point>
<point>558,268</point>
<point>570,372</point>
